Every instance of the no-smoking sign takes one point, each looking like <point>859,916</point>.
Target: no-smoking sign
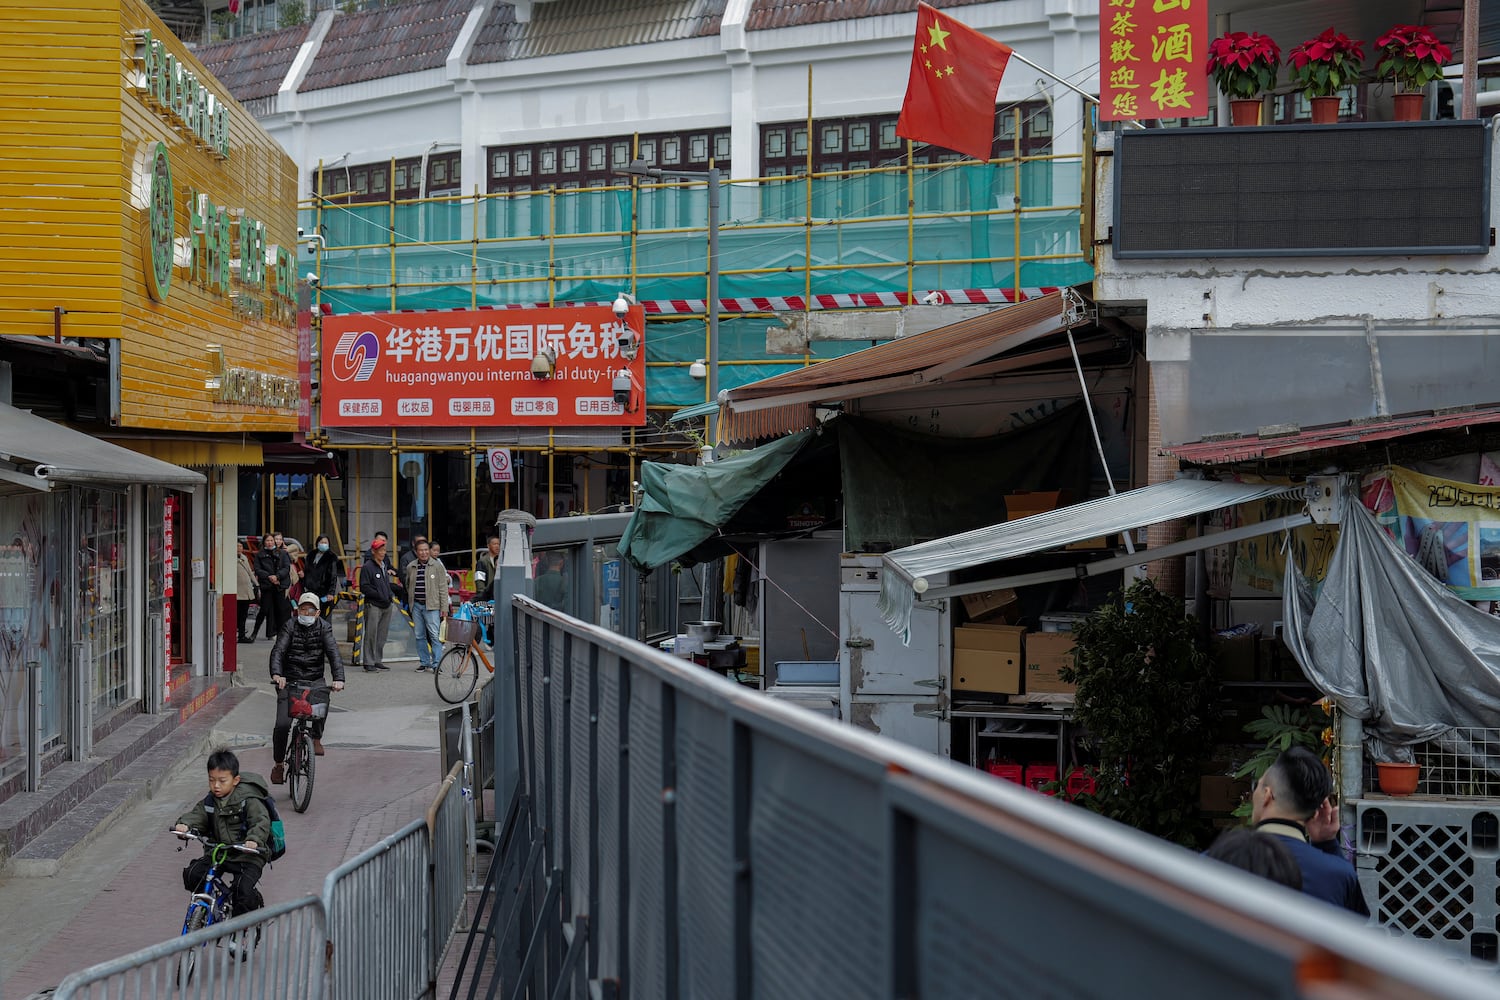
<point>500,468</point>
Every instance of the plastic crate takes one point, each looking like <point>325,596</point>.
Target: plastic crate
<point>1038,775</point>
<point>1005,770</point>
<point>1081,783</point>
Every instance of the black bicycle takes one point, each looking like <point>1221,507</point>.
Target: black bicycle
<point>305,703</point>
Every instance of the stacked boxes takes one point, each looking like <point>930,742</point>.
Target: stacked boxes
<point>987,658</point>
<point>1047,653</point>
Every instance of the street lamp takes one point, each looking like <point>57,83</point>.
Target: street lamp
<point>640,168</point>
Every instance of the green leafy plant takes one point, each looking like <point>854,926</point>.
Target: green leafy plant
<point>1322,66</point>
<point>291,13</point>
<point>1282,727</point>
<point>1145,698</point>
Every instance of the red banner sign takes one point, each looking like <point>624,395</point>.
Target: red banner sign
<point>473,368</point>
<point>1151,59</point>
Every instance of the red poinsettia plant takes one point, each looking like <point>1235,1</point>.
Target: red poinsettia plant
<point>1412,56</point>
<point>1322,66</point>
<point>1243,63</point>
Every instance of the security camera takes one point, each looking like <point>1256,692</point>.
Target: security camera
<point>933,299</point>
<point>629,343</point>
<point>622,306</point>
<point>300,232</point>
<point>312,279</point>
<point>543,365</point>
<point>620,386</point>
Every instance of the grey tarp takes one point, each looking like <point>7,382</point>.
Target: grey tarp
<point>681,505</point>
<point>1392,646</point>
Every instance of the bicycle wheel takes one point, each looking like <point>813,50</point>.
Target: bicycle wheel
<point>300,774</point>
<point>455,675</point>
<point>197,920</point>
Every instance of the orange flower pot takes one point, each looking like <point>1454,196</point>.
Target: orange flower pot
<point>1397,779</point>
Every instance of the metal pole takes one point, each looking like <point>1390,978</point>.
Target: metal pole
<point>713,300</point>
<point>471,853</point>
<point>33,726</point>
<point>1470,107</point>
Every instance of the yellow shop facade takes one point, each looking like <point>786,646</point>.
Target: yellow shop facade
<point>148,347</point>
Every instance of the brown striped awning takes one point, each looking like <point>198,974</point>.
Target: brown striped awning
<point>963,350</point>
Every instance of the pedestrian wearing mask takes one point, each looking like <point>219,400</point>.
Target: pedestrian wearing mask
<point>320,576</point>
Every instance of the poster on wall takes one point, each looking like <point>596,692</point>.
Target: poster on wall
<point>1452,529</point>
<point>555,367</point>
<point>1152,59</point>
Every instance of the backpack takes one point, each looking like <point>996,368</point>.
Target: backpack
<point>277,844</point>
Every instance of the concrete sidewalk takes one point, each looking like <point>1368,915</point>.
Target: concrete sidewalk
<point>121,889</point>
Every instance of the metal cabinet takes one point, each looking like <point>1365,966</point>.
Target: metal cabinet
<point>1000,727</point>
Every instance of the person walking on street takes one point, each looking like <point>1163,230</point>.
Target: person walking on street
<point>271,575</point>
<point>321,576</point>
<point>375,585</point>
<point>427,583</point>
<point>1291,802</point>
<point>244,592</point>
<point>298,657</point>
<point>484,575</point>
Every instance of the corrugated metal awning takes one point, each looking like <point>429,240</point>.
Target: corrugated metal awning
<point>689,412</point>
<point>1238,449</point>
<point>64,455</point>
<point>906,571</point>
<point>789,402</point>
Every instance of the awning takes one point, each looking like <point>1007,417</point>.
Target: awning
<point>689,412</point>
<point>682,505</point>
<point>907,571</point>
<point>953,353</point>
<point>298,458</point>
<point>64,455</point>
<point>1295,441</point>
<point>200,452</point>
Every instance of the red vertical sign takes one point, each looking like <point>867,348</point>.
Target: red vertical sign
<point>1151,59</point>
<point>169,508</point>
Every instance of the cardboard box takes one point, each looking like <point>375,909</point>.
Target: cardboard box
<point>992,671</point>
<point>1004,638</point>
<point>1019,505</point>
<point>1047,653</point>
<point>1102,542</point>
<point>1219,793</point>
<point>992,604</point>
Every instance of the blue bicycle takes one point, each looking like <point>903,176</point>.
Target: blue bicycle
<point>210,904</point>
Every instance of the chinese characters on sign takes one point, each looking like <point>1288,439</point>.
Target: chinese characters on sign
<point>1151,59</point>
<point>466,368</point>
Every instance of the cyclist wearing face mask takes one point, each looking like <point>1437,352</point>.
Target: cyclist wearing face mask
<point>320,576</point>
<point>298,656</point>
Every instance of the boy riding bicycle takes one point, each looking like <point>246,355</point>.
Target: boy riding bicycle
<point>234,813</point>
<point>303,645</point>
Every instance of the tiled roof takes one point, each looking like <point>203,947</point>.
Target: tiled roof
<point>387,41</point>
<point>589,25</point>
<point>789,13</point>
<point>253,66</point>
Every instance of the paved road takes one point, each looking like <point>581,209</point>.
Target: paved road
<point>123,891</point>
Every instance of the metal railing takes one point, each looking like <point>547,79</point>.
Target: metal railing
<point>674,835</point>
<point>378,930</point>
<point>285,959</point>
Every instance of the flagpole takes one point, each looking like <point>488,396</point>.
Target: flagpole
<point>1047,72</point>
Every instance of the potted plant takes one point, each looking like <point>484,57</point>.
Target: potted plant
<point>1243,65</point>
<point>1412,56</point>
<point>1321,67</point>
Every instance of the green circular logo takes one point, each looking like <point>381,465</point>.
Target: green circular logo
<point>159,223</point>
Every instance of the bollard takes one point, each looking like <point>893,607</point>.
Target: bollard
<point>357,644</point>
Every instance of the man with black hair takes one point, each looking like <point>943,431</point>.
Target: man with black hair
<point>1292,797</point>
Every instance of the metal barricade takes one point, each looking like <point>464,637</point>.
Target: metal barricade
<point>284,958</point>
<point>448,821</point>
<point>674,835</point>
<point>379,919</point>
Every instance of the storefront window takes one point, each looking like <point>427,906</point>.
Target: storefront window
<point>103,595</point>
<point>33,582</point>
<point>608,586</point>
<point>553,574</point>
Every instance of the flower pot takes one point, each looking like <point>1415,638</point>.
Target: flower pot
<point>1408,107</point>
<point>1397,779</point>
<point>1245,111</point>
<point>1325,110</point>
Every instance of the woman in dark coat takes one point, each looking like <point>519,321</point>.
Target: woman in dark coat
<point>320,576</point>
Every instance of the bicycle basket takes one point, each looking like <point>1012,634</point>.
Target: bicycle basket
<point>462,630</point>
<point>308,703</point>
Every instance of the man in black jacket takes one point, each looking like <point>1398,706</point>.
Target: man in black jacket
<point>298,657</point>
<point>272,580</point>
<point>375,585</point>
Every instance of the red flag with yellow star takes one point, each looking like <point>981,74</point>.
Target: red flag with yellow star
<point>950,95</point>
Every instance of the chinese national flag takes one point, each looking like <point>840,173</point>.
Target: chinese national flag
<point>950,95</point>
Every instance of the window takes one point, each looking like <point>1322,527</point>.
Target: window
<point>570,158</point>
<point>698,148</point>
<point>500,164</point>
<point>549,161</point>
<point>671,151</point>
<point>833,139</point>
<point>859,137</point>
<point>596,163</point>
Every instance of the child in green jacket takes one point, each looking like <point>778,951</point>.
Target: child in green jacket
<point>233,813</point>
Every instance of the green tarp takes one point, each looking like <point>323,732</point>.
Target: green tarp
<point>684,505</point>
